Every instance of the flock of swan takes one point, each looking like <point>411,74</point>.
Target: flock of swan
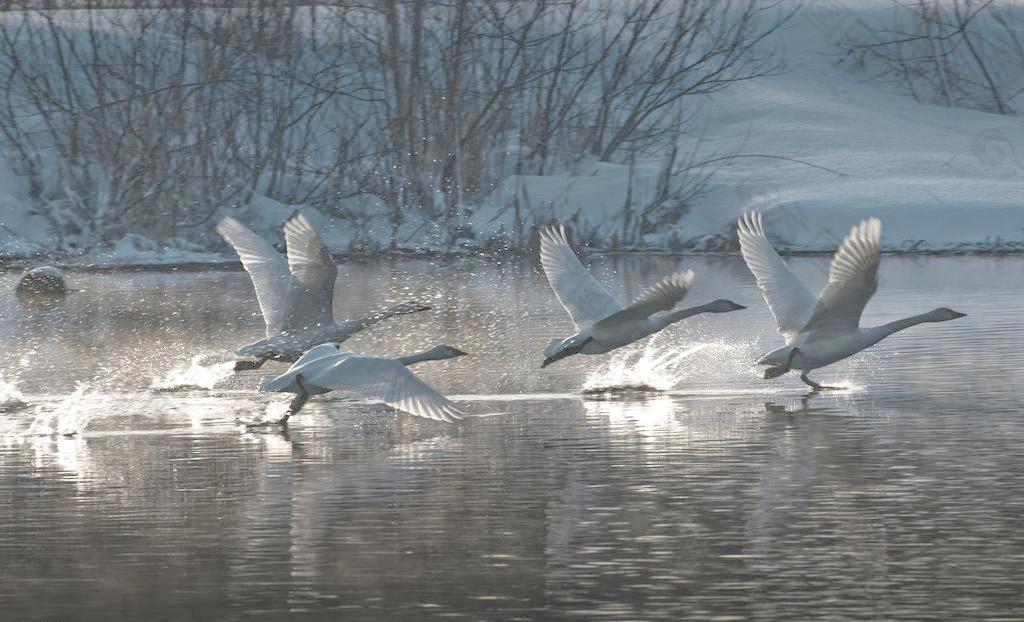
<point>295,294</point>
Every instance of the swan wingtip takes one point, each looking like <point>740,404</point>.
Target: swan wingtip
<point>299,223</point>
<point>228,226</point>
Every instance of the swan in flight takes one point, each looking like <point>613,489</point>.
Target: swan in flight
<point>326,368</point>
<point>602,323</point>
<point>820,331</point>
<point>295,294</point>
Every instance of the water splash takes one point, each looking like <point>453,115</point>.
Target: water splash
<point>71,414</point>
<point>11,399</point>
<point>655,367</point>
<point>195,375</point>
<point>271,415</point>
<point>276,410</point>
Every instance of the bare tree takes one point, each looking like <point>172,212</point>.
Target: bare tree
<point>156,118</point>
<point>953,53</point>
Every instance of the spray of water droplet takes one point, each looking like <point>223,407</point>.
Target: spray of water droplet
<point>194,375</point>
<point>71,414</point>
<point>271,415</point>
<point>11,398</point>
<point>275,410</point>
<point>661,366</point>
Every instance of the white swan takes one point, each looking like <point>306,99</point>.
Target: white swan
<point>821,331</point>
<point>325,368</point>
<point>602,323</point>
<point>296,295</point>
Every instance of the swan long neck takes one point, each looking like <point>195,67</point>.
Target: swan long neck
<point>885,330</point>
<point>372,319</point>
<point>427,355</point>
<point>682,314</point>
<point>383,314</point>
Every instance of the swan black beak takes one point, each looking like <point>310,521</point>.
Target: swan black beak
<point>957,314</point>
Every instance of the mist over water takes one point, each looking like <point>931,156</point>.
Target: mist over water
<point>711,493</point>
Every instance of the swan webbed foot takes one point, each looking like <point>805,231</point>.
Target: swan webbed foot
<point>814,385</point>
<point>300,399</point>
<point>294,408</point>
<point>249,365</point>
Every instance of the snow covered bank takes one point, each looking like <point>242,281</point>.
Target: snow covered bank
<point>940,179</point>
<point>817,147</point>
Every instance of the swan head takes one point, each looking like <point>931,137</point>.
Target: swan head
<point>722,306</point>
<point>558,350</point>
<point>446,352</point>
<point>437,353</point>
<point>944,314</point>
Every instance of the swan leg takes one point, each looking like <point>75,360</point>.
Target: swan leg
<point>814,385</point>
<point>248,365</point>
<point>297,403</point>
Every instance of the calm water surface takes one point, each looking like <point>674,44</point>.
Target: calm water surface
<point>721,497</point>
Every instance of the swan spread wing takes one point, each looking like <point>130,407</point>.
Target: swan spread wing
<point>662,296</point>
<point>314,353</point>
<point>852,280</point>
<point>267,268</point>
<point>311,292</point>
<point>314,359</point>
<point>586,300</point>
<point>386,380</point>
<point>790,301</point>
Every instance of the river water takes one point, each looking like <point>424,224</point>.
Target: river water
<point>129,488</point>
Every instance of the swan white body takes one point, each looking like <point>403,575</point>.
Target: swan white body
<point>602,322</point>
<point>295,294</point>
<point>325,368</point>
<point>820,331</point>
